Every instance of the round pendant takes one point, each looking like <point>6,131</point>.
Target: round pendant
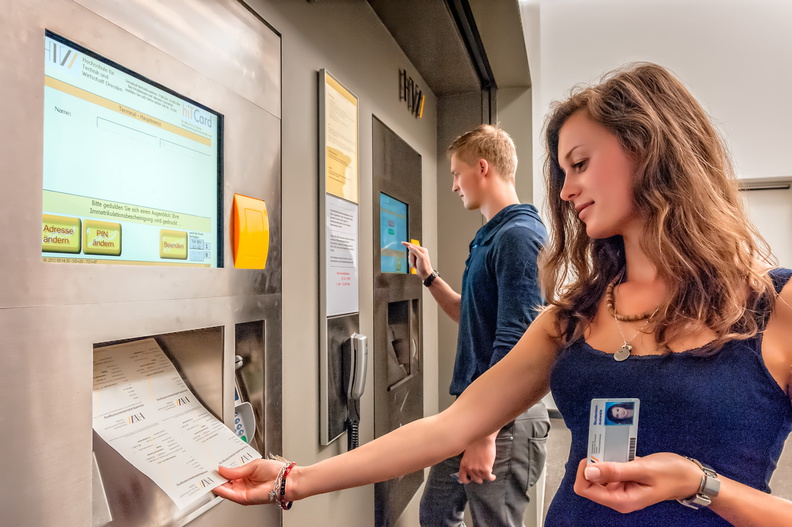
<point>622,353</point>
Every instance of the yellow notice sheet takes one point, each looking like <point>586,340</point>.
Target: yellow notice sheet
<point>341,140</point>
<point>144,410</point>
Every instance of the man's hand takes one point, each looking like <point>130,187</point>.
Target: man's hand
<point>478,461</point>
<point>419,259</point>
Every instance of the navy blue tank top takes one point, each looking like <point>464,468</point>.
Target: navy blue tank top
<point>725,410</point>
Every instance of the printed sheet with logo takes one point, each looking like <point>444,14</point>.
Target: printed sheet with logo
<point>144,410</point>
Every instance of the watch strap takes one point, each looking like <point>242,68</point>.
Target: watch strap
<point>431,278</point>
<point>708,489</point>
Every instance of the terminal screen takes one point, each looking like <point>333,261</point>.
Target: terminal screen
<point>393,231</point>
<point>132,170</point>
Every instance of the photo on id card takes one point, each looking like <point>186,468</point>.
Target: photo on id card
<point>613,430</point>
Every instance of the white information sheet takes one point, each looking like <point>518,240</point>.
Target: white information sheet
<point>144,410</point>
<point>341,265</point>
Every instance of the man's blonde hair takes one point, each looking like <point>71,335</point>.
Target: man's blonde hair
<point>490,143</point>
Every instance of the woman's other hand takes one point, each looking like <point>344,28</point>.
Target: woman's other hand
<point>631,486</point>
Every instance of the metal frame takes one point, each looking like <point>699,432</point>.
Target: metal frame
<point>397,172</point>
<point>333,330</point>
<point>52,314</point>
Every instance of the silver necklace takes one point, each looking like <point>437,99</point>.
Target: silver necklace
<point>623,353</point>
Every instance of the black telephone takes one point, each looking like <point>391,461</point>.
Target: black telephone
<point>355,360</point>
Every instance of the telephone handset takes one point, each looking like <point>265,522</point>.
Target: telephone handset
<point>355,362</point>
<point>358,358</point>
<point>244,418</point>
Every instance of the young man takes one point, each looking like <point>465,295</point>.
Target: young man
<point>500,294</point>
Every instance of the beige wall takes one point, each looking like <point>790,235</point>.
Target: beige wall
<point>455,225</point>
<point>514,116</point>
<point>349,40</point>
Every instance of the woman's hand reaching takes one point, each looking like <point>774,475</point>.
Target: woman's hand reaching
<point>251,483</point>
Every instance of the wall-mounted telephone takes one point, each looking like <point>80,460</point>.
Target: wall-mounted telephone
<point>355,361</point>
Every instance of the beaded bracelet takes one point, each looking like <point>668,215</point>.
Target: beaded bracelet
<point>278,492</point>
<point>285,505</point>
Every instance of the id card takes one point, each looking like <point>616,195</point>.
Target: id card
<point>613,430</point>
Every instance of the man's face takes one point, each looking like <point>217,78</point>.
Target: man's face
<point>468,182</point>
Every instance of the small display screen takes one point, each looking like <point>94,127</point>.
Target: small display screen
<point>393,231</point>
<point>132,170</point>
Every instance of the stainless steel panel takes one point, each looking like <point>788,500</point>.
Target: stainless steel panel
<point>100,515</point>
<point>252,166</point>
<point>219,38</point>
<point>251,375</point>
<point>338,330</point>
<point>51,315</point>
<point>132,497</point>
<point>333,330</point>
<point>398,333</point>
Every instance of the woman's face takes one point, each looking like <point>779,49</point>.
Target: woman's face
<point>599,177</point>
<point>621,413</point>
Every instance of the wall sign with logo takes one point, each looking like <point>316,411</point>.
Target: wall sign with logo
<point>411,94</point>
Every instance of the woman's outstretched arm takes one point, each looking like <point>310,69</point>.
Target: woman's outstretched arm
<point>517,382</point>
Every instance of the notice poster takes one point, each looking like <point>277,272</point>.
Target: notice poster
<point>341,265</point>
<point>340,140</point>
<point>143,409</point>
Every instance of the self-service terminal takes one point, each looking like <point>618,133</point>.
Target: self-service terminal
<point>144,325</point>
<point>397,347</point>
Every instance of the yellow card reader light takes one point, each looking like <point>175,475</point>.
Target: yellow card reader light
<point>251,232</point>
<point>413,270</point>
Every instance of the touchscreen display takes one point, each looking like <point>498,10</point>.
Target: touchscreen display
<point>393,231</point>
<point>132,170</point>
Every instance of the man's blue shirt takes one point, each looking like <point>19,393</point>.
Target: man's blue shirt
<point>500,291</point>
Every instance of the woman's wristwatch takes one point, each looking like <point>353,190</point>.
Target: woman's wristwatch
<point>709,488</point>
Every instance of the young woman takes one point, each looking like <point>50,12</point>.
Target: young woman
<point>667,298</point>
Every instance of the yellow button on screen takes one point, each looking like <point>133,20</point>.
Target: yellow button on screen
<point>102,237</point>
<point>173,244</point>
<point>60,234</point>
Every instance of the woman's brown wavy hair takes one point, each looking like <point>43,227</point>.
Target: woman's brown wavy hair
<point>697,232</point>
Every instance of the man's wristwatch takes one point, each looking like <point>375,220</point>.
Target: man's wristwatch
<point>709,488</point>
<point>431,278</point>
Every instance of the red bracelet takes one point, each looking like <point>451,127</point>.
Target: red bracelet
<point>285,505</point>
